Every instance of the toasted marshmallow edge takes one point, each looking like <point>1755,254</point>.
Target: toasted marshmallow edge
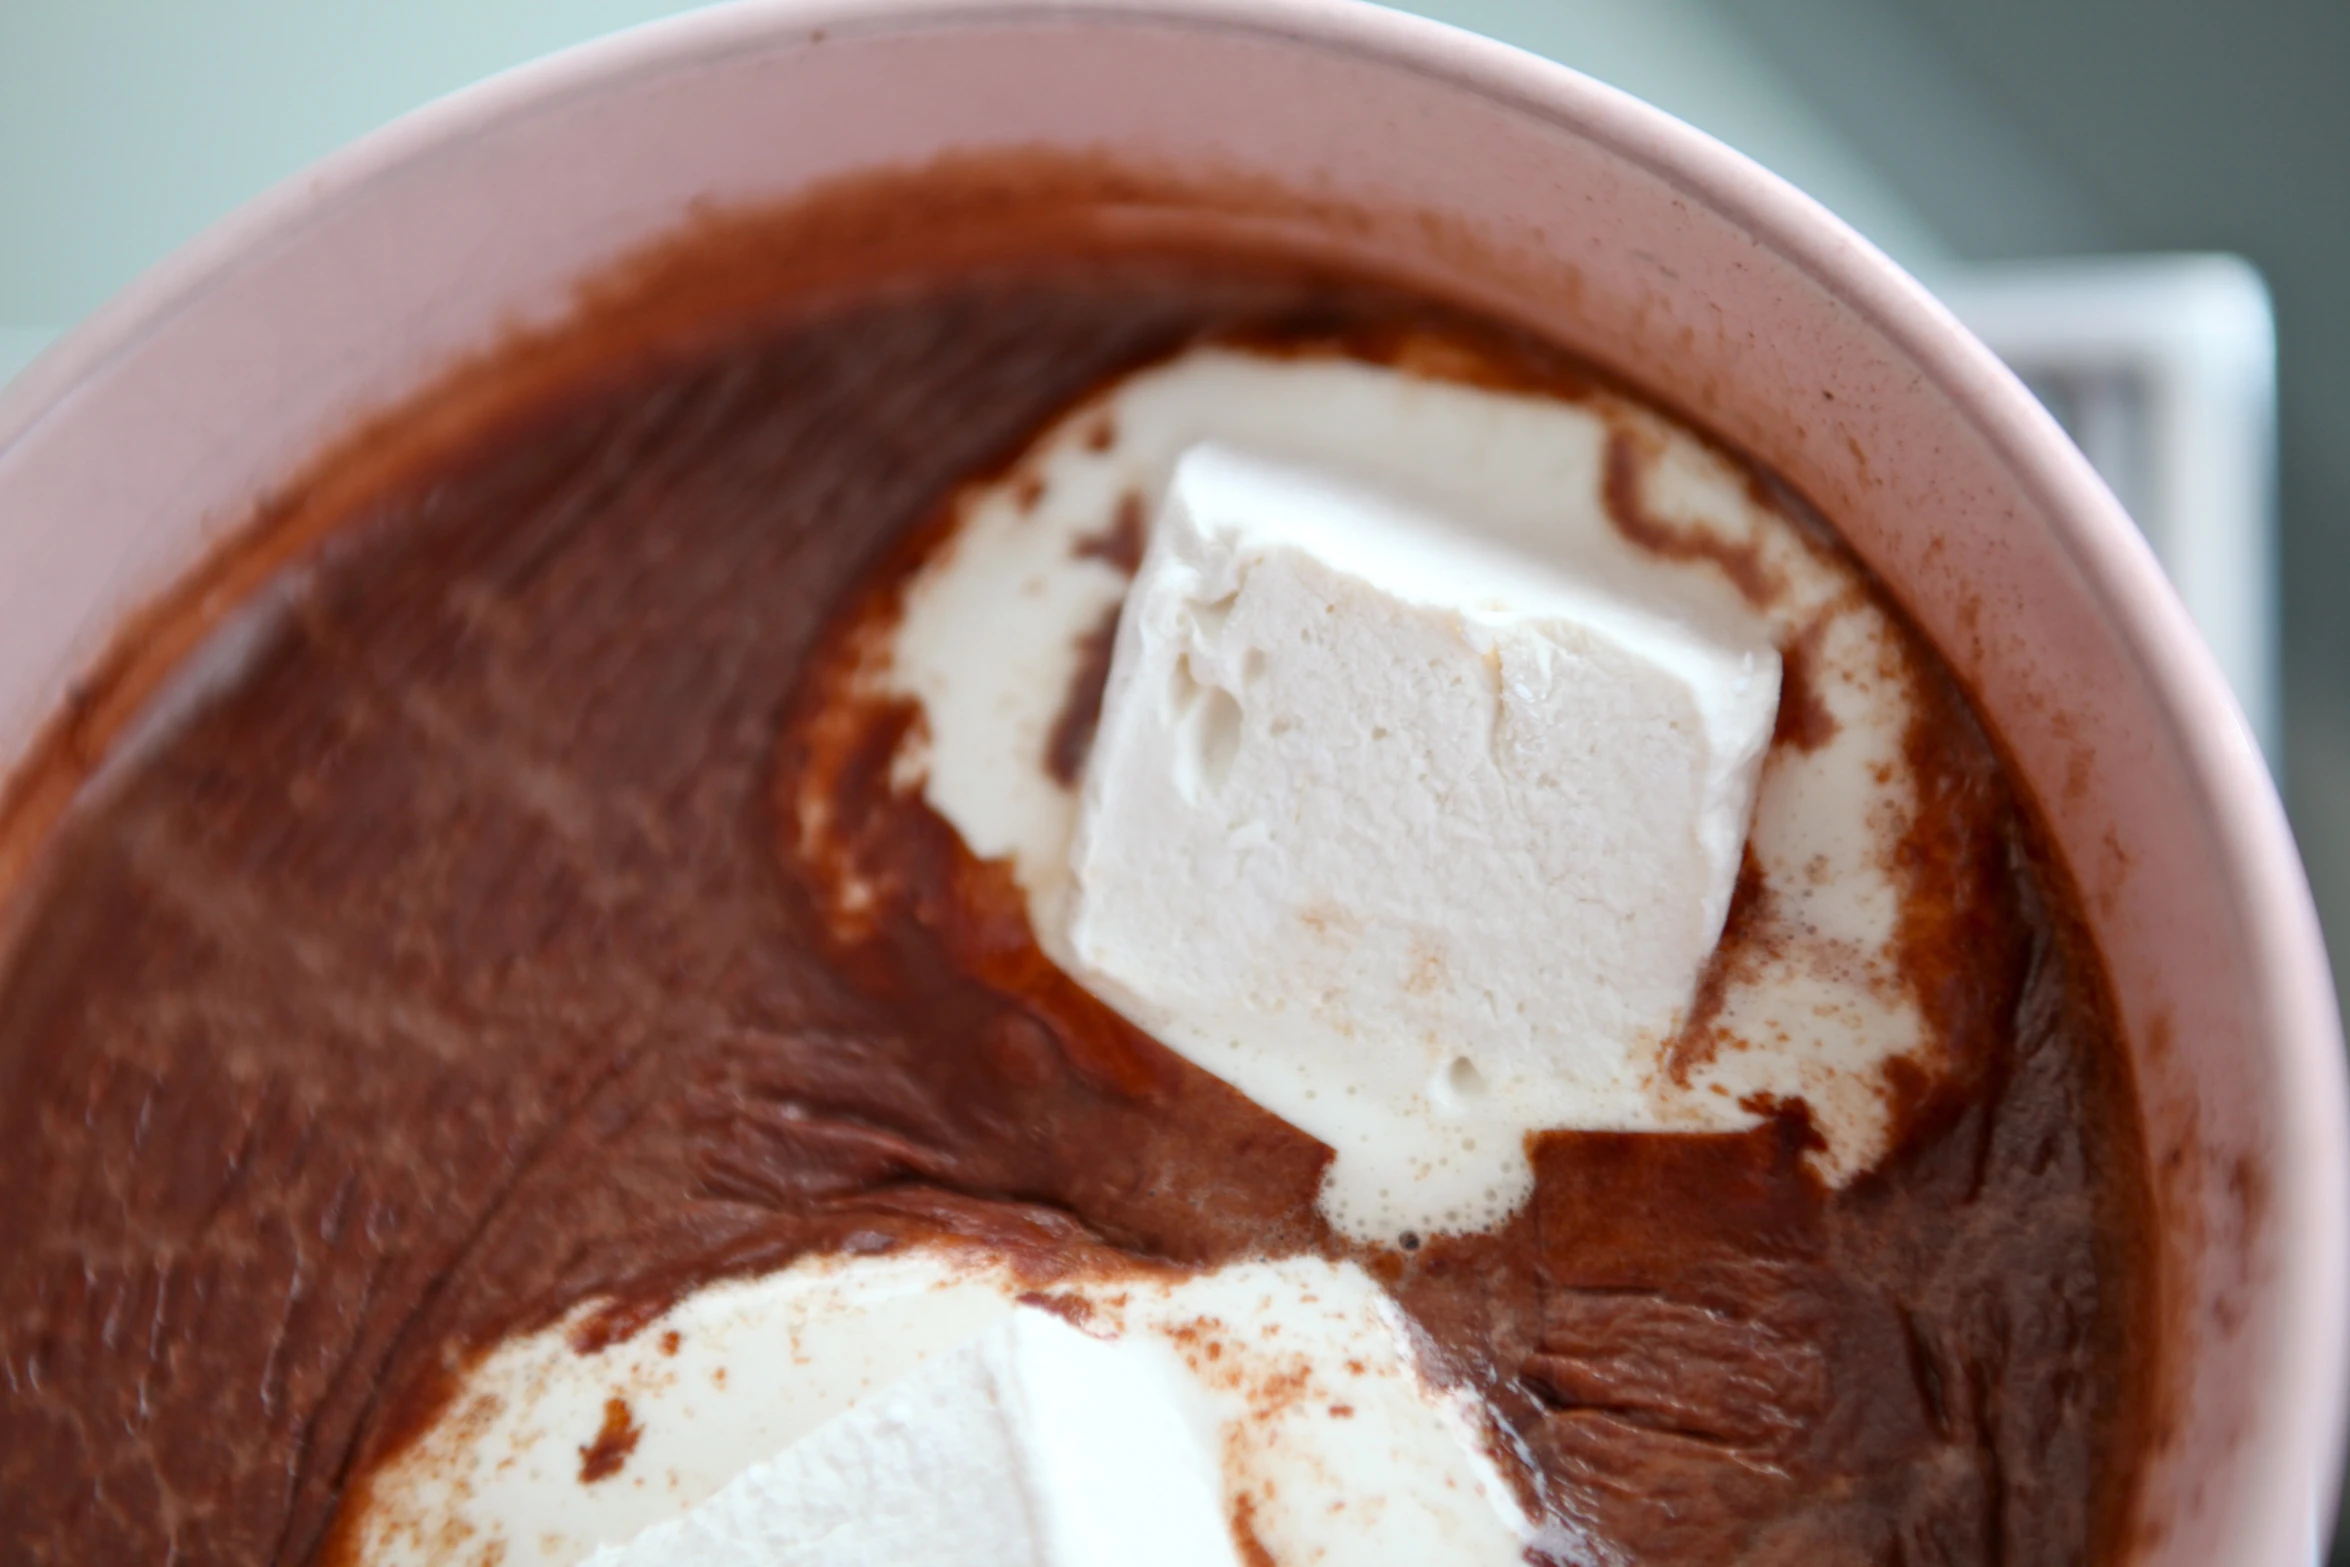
<point>1029,1445</point>
<point>1418,842</point>
<point>1301,1376</point>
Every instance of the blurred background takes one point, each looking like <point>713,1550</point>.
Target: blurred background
<point>2143,204</point>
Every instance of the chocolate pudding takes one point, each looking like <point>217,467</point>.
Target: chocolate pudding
<point>452,961</point>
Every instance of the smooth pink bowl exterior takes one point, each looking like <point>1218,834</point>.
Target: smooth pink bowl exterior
<point>150,434</point>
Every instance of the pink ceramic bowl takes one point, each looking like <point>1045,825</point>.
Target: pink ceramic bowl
<point>151,434</point>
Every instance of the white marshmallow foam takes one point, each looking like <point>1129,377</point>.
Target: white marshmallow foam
<point>1815,1006</point>
<point>1418,842</point>
<point>1030,1445</point>
<point>1331,1441</point>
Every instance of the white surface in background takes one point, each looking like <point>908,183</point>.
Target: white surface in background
<point>2163,368</point>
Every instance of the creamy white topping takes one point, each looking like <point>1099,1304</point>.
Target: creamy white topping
<point>1330,1440</point>
<point>1815,1005</point>
<point>1029,1445</point>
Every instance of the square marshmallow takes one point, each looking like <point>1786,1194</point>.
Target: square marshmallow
<point>1417,842</point>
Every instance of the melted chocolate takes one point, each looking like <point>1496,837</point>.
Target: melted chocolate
<point>454,967</point>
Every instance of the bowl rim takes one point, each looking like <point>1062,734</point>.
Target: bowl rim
<point>2236,800</point>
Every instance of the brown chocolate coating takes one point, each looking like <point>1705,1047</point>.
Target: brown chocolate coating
<point>455,966</point>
